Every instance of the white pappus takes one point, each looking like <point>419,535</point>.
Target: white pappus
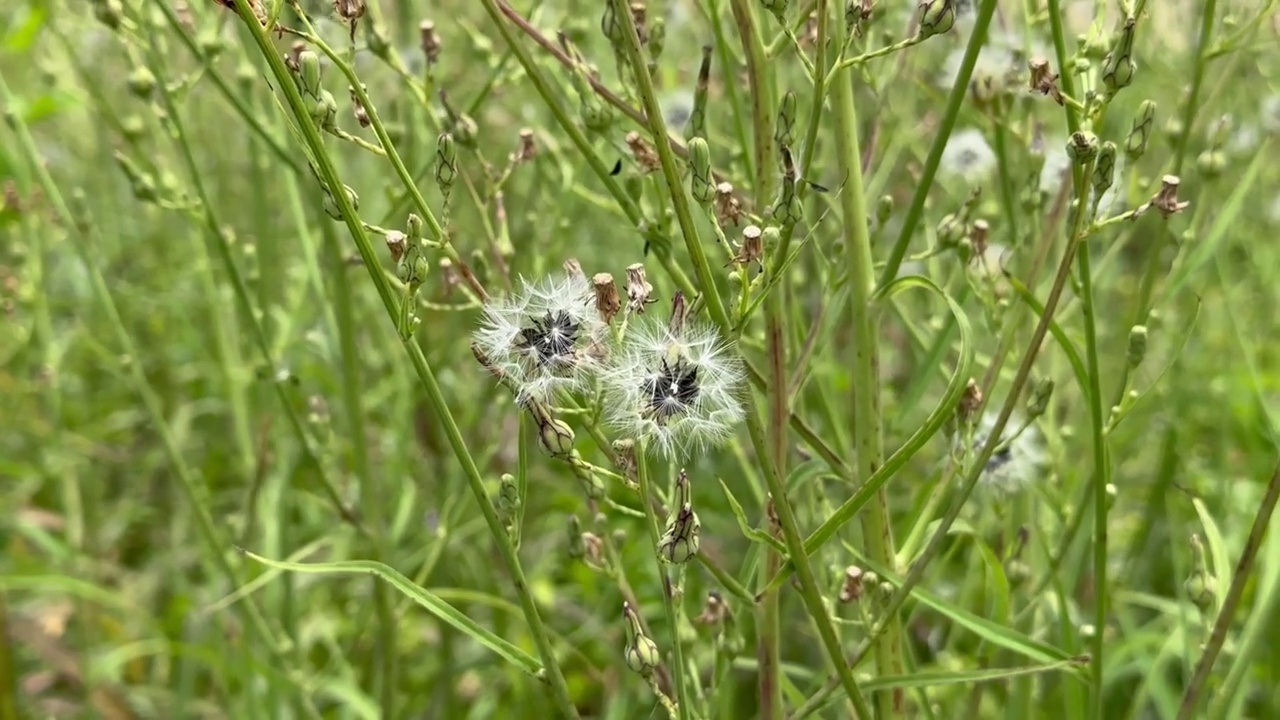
<point>674,385</point>
<point>545,338</point>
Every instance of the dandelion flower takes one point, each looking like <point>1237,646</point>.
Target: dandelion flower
<point>674,385</point>
<point>1018,460</point>
<point>968,155</point>
<point>546,338</point>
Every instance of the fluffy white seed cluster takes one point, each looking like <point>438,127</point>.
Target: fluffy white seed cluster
<point>1016,463</point>
<point>671,385</point>
<point>676,388</point>
<point>546,338</point>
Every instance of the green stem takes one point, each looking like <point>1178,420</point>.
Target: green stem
<point>877,531</point>
<point>959,91</point>
<point>426,375</point>
<point>684,704</point>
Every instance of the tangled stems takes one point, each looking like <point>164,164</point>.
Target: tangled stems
<point>809,589</point>
<point>329,174</point>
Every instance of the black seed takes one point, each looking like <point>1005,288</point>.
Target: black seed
<point>673,391</point>
<point>551,337</point>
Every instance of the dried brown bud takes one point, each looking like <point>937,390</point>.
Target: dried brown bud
<point>1044,80</point>
<point>398,244</point>
<point>713,613</point>
<point>1166,200</point>
<point>728,210</point>
<point>361,114</point>
<point>978,233</point>
<point>751,250</point>
<point>852,588</point>
<point>771,515</point>
<point>574,269</point>
<point>451,277</point>
<point>607,301</point>
<point>644,155</point>
<point>528,149</point>
<point>638,289</point>
<point>430,41</point>
<point>970,401</point>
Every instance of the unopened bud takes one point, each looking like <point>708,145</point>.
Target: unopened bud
<point>698,116</point>
<point>446,163</point>
<point>657,37</point>
<point>939,16</point>
<point>1118,68</point>
<point>640,652</point>
<point>1082,147</point>
<point>1137,345</point>
<point>1136,144</point>
<point>788,210</point>
<point>556,435</point>
<point>785,133</point>
<point>884,209</point>
<point>1038,403</point>
<point>141,82</point>
<point>680,541</point>
<point>508,497</point>
<point>309,72</point>
<point>1105,169</point>
<point>1211,163</point>
<point>702,184</point>
<point>332,208</point>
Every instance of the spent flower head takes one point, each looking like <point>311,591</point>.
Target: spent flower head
<point>674,383</point>
<point>547,337</point>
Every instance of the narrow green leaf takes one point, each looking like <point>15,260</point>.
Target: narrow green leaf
<point>433,604</point>
<point>1217,551</point>
<point>745,526</point>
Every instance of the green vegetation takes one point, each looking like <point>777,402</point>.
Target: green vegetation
<point>682,359</point>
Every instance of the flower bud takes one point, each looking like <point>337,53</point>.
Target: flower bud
<point>884,209</point>
<point>785,132</point>
<point>1136,144</point>
<point>309,72</point>
<point>508,497</point>
<point>657,37</point>
<point>788,210</point>
<point>1137,345</point>
<point>938,17</point>
<point>577,547</point>
<point>325,110</point>
<point>1118,68</point>
<point>556,435</point>
<point>680,540</point>
<point>641,653</point>
<point>446,163</point>
<point>1211,163</point>
<point>1105,169</point>
<point>698,116</point>
<point>1082,147</point>
<point>1038,403</point>
<point>702,184</point>
<point>141,82</point>
<point>331,206</point>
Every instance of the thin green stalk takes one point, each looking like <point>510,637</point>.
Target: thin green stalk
<point>426,375</point>
<point>865,420</point>
<point>374,494</point>
<point>1230,604</point>
<point>769,650</point>
<point>959,91</point>
<point>195,492</point>
<point>684,704</point>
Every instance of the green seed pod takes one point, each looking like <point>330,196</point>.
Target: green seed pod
<point>141,83</point>
<point>1137,345</point>
<point>698,116</point>
<point>1082,147</point>
<point>785,132</point>
<point>1105,169</point>
<point>309,72</point>
<point>939,16</point>
<point>446,163</point>
<point>701,181</point>
<point>1118,68</point>
<point>1136,144</point>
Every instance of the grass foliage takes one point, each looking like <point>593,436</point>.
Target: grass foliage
<point>838,359</point>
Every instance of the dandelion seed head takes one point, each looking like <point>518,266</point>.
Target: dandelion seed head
<point>545,338</point>
<point>677,389</point>
<point>967,155</point>
<point>1017,461</point>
